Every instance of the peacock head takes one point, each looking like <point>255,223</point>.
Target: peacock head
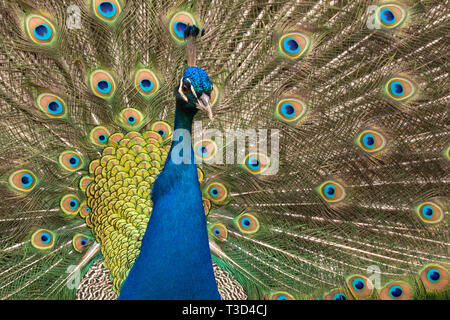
<point>195,89</point>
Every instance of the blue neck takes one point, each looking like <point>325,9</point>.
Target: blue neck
<point>175,260</point>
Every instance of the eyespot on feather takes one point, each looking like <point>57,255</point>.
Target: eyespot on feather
<point>247,223</point>
<point>219,231</point>
<point>99,136</point>
<point>163,129</point>
<point>360,286</point>
<point>43,239</point>
<point>205,150</point>
<point>256,163</point>
<point>331,191</point>
<point>435,277</point>
<point>391,16</point>
<point>290,110</point>
<point>371,141</point>
<point>178,24</point>
<point>102,84</point>
<point>107,11</point>
<point>216,192</point>
<point>80,242</point>
<point>131,119</point>
<point>281,295</point>
<point>397,290</point>
<point>39,29</point>
<point>70,204</point>
<point>400,89</point>
<point>23,180</point>
<point>52,105</point>
<point>146,82</point>
<point>430,213</point>
<point>71,161</point>
<point>294,44</point>
<point>338,294</point>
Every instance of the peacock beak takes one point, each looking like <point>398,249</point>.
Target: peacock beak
<point>204,103</point>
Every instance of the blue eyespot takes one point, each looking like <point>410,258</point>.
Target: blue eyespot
<point>102,138</point>
<point>179,28</point>
<point>46,237</point>
<point>26,180</point>
<point>88,209</point>
<point>146,85</point>
<point>104,86</point>
<point>433,275</point>
<point>214,192</point>
<point>427,211</point>
<point>73,204</point>
<point>74,161</point>
<point>42,32</point>
<point>397,88</point>
<point>245,222</point>
<point>282,298</point>
<point>387,16</point>
<point>83,241</point>
<point>131,120</point>
<point>107,9</point>
<point>216,231</point>
<point>329,190</point>
<point>291,45</point>
<point>161,133</point>
<point>288,110</point>
<point>358,284</point>
<point>396,292</point>
<point>55,107</point>
<point>253,163</point>
<point>369,141</point>
<point>202,150</point>
<point>339,296</point>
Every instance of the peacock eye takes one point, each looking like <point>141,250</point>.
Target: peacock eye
<point>185,89</point>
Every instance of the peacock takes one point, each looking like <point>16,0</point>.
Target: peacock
<point>233,149</point>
